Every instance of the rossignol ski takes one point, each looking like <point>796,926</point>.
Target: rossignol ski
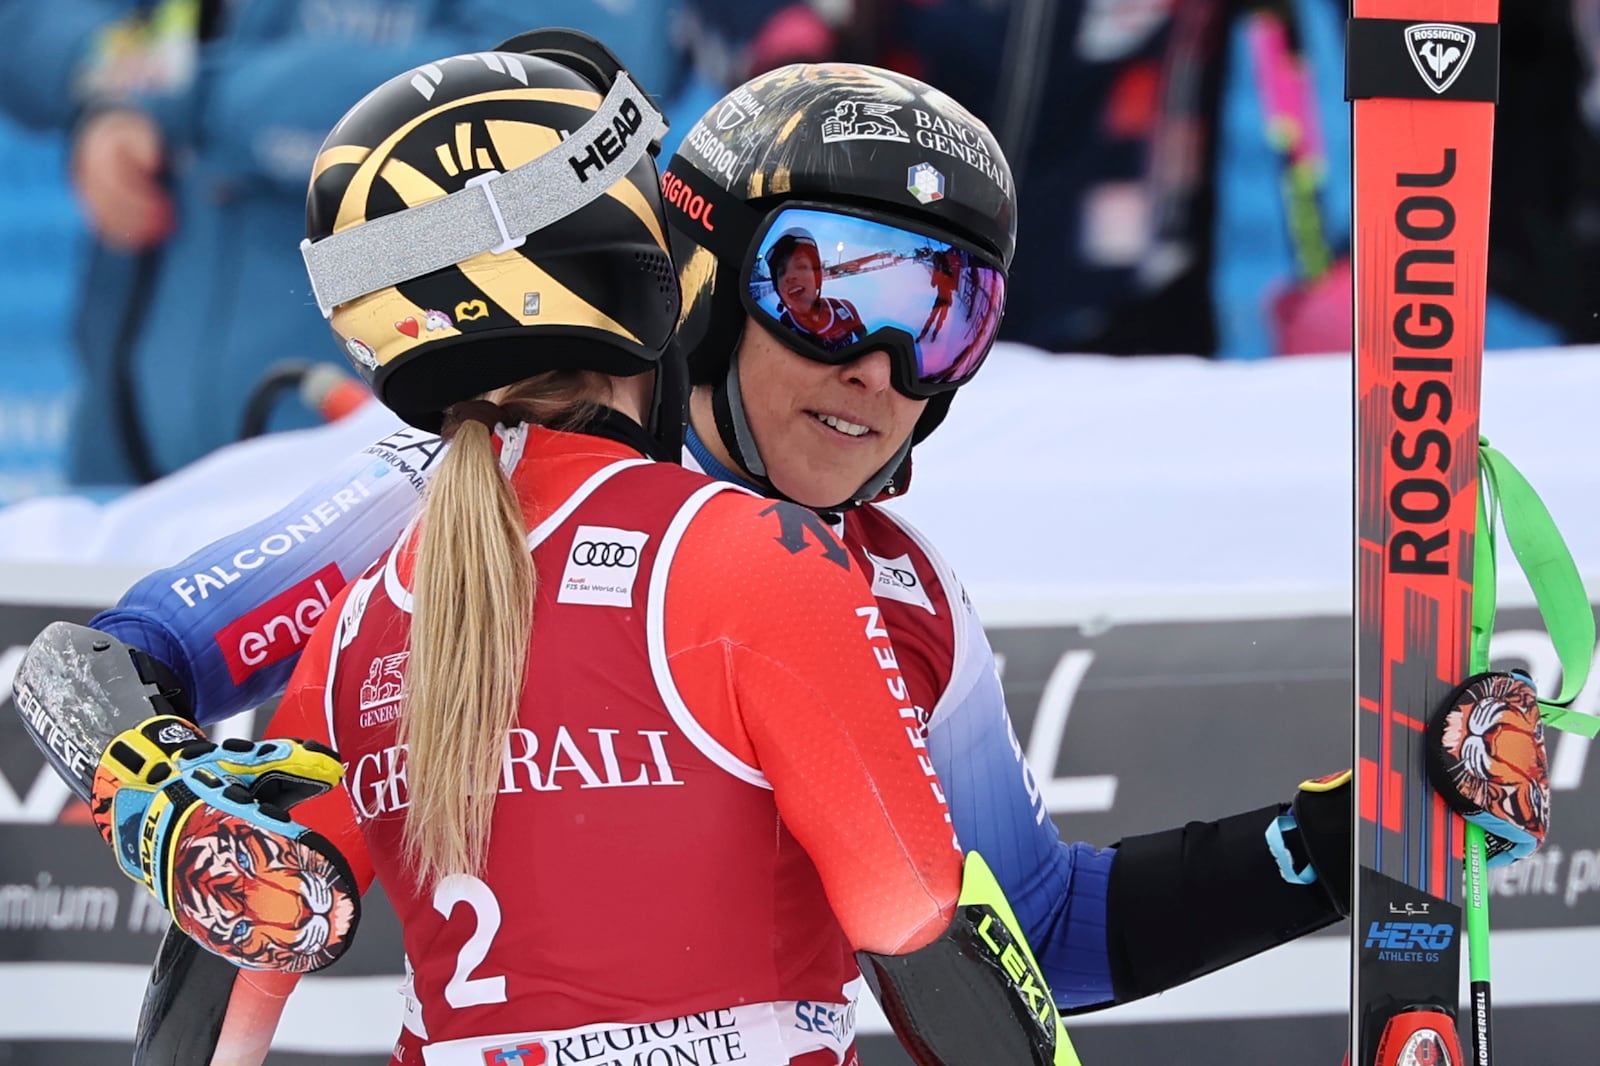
<point>1422,75</point>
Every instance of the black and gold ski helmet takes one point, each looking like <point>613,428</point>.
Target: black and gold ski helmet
<point>839,134</point>
<point>491,216</point>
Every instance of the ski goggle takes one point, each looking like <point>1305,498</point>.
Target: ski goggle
<point>835,286</point>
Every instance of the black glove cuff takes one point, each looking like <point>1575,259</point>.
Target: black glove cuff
<point>1184,902</point>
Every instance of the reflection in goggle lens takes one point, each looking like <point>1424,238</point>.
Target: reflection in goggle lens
<point>833,280</point>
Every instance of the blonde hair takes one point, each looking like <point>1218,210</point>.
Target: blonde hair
<point>472,612</point>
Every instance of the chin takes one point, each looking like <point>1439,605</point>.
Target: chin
<point>811,492</point>
<point>813,499</point>
<point>823,492</point>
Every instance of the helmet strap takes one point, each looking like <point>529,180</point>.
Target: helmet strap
<point>877,483</point>
<point>727,401</point>
<point>669,404</point>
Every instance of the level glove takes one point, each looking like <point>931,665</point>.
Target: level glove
<point>206,829</point>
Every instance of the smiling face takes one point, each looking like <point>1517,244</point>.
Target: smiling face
<point>822,430</point>
<point>799,283</point>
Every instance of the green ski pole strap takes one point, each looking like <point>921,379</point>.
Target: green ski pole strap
<point>1552,575</point>
<point>1483,574</point>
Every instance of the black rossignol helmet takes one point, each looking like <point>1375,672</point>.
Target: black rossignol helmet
<point>834,133</point>
<point>492,216</point>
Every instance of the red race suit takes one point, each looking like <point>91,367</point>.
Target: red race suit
<point>716,790</point>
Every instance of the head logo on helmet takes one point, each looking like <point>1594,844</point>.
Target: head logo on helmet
<point>609,143</point>
<point>419,213</point>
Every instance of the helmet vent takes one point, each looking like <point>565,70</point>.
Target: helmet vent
<point>659,266</point>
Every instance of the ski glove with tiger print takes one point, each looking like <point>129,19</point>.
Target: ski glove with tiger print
<point>206,828</point>
<point>1486,757</point>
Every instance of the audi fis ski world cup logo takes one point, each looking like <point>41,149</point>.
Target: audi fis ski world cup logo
<point>901,579</point>
<point>1440,51</point>
<point>604,553</point>
<point>602,566</point>
<point>896,579</point>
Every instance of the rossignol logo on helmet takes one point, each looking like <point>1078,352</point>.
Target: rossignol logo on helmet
<point>608,144</point>
<point>718,156</point>
<point>863,120</point>
<point>677,193</point>
<point>1440,51</point>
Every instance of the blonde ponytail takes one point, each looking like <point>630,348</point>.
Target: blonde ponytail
<point>472,612</point>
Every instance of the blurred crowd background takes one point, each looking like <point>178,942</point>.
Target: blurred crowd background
<point>1182,168</point>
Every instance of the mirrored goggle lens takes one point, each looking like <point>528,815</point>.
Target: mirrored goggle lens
<point>834,280</point>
